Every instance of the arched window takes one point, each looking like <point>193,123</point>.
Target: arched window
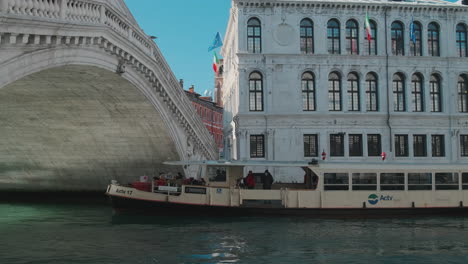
<point>254,36</point>
<point>353,92</point>
<point>255,92</point>
<point>307,36</point>
<point>308,92</point>
<point>433,39</point>
<point>371,46</point>
<point>398,40</point>
<point>462,45</point>
<point>436,94</point>
<point>399,93</point>
<point>415,39</point>
<point>334,37</point>
<point>463,94</point>
<point>352,37</point>
<point>334,92</point>
<point>372,101</point>
<point>417,96</point>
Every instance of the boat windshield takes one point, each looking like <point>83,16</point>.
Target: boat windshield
<point>216,173</point>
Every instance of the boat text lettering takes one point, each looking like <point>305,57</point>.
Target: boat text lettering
<point>386,198</point>
<point>129,192</point>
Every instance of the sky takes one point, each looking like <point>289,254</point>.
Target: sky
<point>184,30</point>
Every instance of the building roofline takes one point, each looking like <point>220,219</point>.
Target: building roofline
<point>199,97</point>
<point>417,5</point>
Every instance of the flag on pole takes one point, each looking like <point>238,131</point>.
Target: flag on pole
<point>368,28</point>
<point>412,31</point>
<point>217,42</point>
<point>215,62</point>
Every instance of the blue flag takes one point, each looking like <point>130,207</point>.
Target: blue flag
<point>217,42</point>
<point>412,32</point>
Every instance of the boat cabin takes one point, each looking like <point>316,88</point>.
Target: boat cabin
<point>340,186</point>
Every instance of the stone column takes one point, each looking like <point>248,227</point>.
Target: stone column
<point>102,18</point>
<point>63,8</point>
<point>424,39</point>
<point>4,6</point>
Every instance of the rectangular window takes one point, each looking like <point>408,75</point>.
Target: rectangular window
<point>355,145</point>
<point>336,181</point>
<point>419,146</point>
<point>255,92</point>
<point>257,146</point>
<point>353,93</point>
<point>438,146</point>
<point>401,145</point>
<point>216,174</point>
<point>337,145</point>
<point>364,181</point>
<point>399,94</point>
<point>372,101</point>
<point>392,181</point>
<point>310,145</point>
<point>420,181</point>
<point>334,93</point>
<point>465,180</point>
<point>254,39</point>
<point>446,181</point>
<point>464,145</point>
<point>374,145</point>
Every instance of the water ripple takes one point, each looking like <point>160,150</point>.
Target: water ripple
<point>34,234</point>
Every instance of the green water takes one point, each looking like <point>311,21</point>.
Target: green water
<point>91,233</point>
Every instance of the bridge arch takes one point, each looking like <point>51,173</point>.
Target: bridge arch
<point>117,46</point>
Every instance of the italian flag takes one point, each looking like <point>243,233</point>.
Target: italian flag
<point>215,62</point>
<point>368,28</point>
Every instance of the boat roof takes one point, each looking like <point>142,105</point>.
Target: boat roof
<point>241,163</point>
<point>330,166</point>
<point>389,166</point>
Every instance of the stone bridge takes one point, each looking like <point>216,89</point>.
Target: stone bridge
<point>85,97</point>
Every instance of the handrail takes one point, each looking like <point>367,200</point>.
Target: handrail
<point>83,11</point>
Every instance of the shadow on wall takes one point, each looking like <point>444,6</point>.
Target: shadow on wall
<point>91,177</point>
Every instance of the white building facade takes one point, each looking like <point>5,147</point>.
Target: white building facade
<point>302,81</point>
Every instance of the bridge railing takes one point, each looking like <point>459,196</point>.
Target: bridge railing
<point>83,11</point>
<point>102,14</point>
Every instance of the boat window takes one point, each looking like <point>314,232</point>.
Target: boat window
<point>364,181</point>
<point>446,181</point>
<point>465,180</point>
<point>336,181</point>
<point>420,181</point>
<point>217,174</point>
<point>392,181</point>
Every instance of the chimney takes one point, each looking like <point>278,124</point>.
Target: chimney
<point>181,82</point>
<point>192,89</point>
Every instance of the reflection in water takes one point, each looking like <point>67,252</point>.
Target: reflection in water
<point>49,233</point>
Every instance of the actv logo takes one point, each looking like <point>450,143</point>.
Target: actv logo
<point>373,199</point>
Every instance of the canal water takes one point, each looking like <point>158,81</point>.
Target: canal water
<point>68,233</point>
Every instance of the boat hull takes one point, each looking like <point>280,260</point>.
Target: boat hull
<point>131,205</point>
